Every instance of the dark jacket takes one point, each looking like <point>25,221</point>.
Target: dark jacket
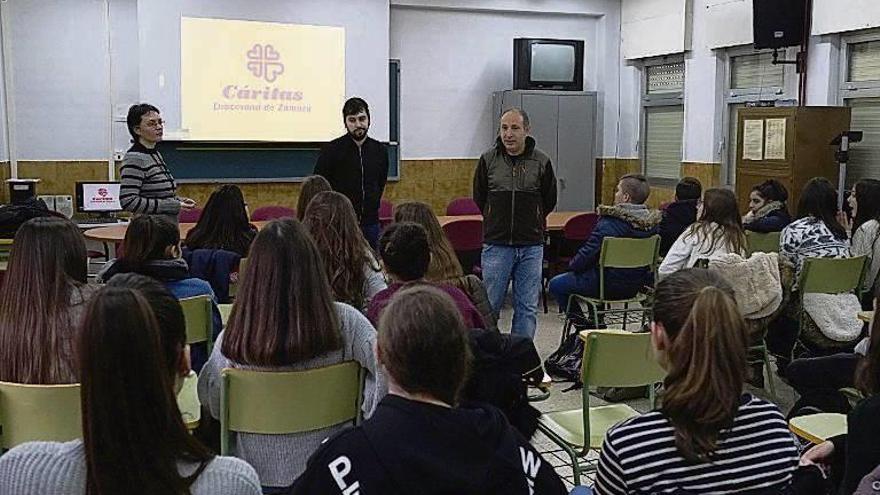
<point>773,217</point>
<point>409,447</point>
<point>632,221</point>
<point>359,173</point>
<point>515,194</point>
<point>678,216</point>
<point>213,266</point>
<point>861,445</point>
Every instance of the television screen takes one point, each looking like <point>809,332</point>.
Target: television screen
<point>552,62</point>
<point>98,197</point>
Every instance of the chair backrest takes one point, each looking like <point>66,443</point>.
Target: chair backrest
<point>39,413</point>
<point>831,275</point>
<point>579,227</point>
<point>626,252</point>
<point>282,402</point>
<point>465,234</point>
<point>199,322</point>
<point>616,358</point>
<point>272,212</point>
<point>462,206</point>
<point>190,216</point>
<point>760,242</point>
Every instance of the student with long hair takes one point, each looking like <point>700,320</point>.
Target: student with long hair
<point>151,247</point>
<point>311,187</point>
<point>420,439</point>
<point>355,275</point>
<point>444,263</point>
<point>865,204</point>
<point>854,455</point>
<point>767,208</point>
<point>224,223</point>
<point>816,233</point>
<point>405,253</point>
<point>717,231</point>
<point>134,439</point>
<point>284,318</point>
<point>42,301</point>
<point>707,435</point>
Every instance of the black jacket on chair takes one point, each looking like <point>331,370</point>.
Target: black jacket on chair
<point>359,173</point>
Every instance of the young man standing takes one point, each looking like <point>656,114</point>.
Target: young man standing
<point>357,166</point>
<point>515,188</point>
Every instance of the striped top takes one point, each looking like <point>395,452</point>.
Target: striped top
<point>757,453</point>
<point>147,185</point>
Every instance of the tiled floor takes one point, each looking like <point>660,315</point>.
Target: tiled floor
<point>547,340</point>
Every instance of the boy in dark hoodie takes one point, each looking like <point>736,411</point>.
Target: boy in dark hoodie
<point>681,213</point>
<point>629,217</point>
<point>418,440</point>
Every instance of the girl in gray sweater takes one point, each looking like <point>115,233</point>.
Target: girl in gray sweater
<point>285,319</point>
<point>132,357</point>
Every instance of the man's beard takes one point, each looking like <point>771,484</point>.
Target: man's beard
<point>358,134</point>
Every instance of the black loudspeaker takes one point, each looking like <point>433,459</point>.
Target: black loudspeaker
<point>778,23</point>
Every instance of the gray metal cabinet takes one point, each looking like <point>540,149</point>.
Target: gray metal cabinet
<point>563,124</point>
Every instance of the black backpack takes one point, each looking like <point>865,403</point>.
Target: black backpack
<point>13,216</point>
<point>565,362</point>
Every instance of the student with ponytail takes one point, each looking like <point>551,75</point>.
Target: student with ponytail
<point>707,435</point>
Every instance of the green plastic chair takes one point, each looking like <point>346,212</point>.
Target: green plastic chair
<point>199,321</point>
<point>759,242</point>
<point>612,358</point>
<point>760,354</point>
<point>284,402</point>
<point>39,413</point>
<point>5,249</point>
<point>618,252</point>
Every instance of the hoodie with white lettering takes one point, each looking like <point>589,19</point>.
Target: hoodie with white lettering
<point>414,447</point>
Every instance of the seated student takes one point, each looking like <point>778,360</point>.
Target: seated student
<point>224,223</point>
<point>284,319</point>
<point>707,436</point>
<point>767,210</point>
<point>134,439</point>
<point>405,253</point>
<point>42,301</point>
<point>444,262</point>
<point>420,440</point>
<point>681,213</point>
<point>857,453</point>
<point>717,232</point>
<point>355,275</point>
<point>629,217</point>
<point>151,247</point>
<point>865,204</point>
<point>311,187</point>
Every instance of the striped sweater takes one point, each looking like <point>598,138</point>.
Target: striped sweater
<point>757,453</point>
<point>147,185</point>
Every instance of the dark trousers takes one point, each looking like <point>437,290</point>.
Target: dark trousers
<point>818,381</point>
<point>371,233</point>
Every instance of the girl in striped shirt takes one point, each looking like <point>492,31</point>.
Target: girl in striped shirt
<point>707,436</point>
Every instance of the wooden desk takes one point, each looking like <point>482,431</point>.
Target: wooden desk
<point>555,220</point>
<point>817,428</point>
<point>116,233</point>
<point>188,401</point>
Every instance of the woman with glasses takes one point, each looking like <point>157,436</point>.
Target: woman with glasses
<point>147,185</point>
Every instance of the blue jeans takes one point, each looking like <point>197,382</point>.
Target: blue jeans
<point>581,490</point>
<point>568,283</point>
<point>522,264</point>
<point>371,233</point>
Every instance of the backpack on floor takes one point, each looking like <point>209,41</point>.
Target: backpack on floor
<point>565,362</point>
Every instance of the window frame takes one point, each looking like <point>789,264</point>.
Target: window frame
<point>647,100</point>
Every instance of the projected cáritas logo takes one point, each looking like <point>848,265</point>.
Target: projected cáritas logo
<point>265,62</point>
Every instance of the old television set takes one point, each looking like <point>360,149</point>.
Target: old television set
<point>541,63</point>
